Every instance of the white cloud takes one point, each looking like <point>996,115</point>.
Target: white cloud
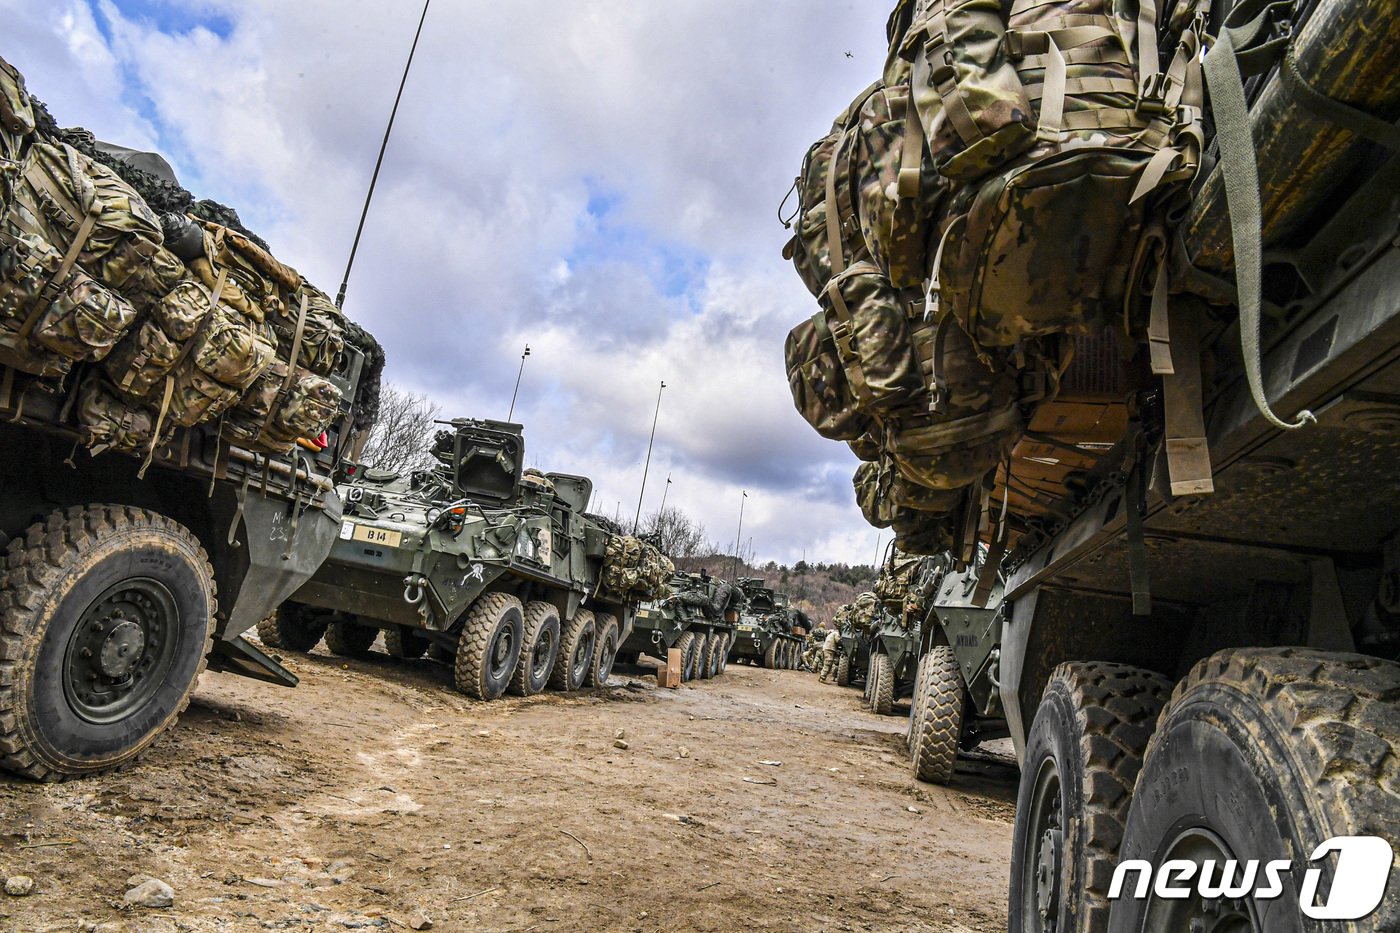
<point>598,180</point>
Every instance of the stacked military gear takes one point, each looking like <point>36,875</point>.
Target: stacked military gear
<point>496,567</point>
<point>946,324</point>
<point>697,617</point>
<point>124,324</point>
<point>634,570</point>
<point>765,633</point>
<point>192,322</point>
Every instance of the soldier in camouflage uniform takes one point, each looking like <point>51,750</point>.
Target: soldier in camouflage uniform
<point>813,649</point>
<point>831,647</point>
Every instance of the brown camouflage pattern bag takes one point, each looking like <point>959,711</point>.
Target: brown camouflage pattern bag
<point>818,382</point>
<point>16,123</point>
<point>868,323</point>
<point>50,319</point>
<point>140,363</point>
<point>109,423</point>
<point>277,412</point>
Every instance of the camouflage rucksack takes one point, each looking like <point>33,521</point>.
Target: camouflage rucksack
<point>16,122</point>
<point>276,411</point>
<point>868,323</point>
<point>1060,122</point>
<point>818,382</point>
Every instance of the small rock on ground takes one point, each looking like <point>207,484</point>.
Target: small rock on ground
<point>19,885</point>
<point>151,893</point>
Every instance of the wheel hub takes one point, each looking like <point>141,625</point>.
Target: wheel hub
<point>121,650</point>
<point>501,651</point>
<point>1047,874</point>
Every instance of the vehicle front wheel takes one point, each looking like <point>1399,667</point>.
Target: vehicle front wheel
<point>106,614</point>
<point>882,694</point>
<point>604,649</point>
<point>1266,754</point>
<point>843,671</point>
<point>575,652</point>
<point>705,646</point>
<point>488,649</point>
<point>1083,753</point>
<point>936,723</point>
<point>539,647</point>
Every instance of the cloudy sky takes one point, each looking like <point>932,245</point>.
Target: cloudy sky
<point>598,179</point>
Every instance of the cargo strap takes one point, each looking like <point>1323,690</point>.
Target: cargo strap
<point>842,330</point>
<point>996,550</point>
<point>47,294</point>
<point>1237,163</point>
<point>169,390</point>
<point>938,395</point>
<point>292,365</point>
<point>935,284</point>
<point>911,156</point>
<point>1188,454</point>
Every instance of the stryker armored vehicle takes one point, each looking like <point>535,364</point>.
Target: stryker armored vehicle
<point>698,618</point>
<point>171,414</point>
<point>1198,530</point>
<point>956,701</point>
<point>496,567</point>
<point>770,631</point>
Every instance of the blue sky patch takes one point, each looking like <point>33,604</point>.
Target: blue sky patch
<point>676,271</point>
<point>170,16</point>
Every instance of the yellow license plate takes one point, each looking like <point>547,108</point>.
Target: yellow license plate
<point>384,536</point>
<point>746,628</point>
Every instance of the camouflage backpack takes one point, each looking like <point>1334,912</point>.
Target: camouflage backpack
<point>16,123</point>
<point>1055,115</point>
<point>869,326</point>
<point>818,382</point>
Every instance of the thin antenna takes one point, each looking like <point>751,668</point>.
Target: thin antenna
<point>739,536</point>
<point>344,283</point>
<point>636,522</point>
<point>518,374</point>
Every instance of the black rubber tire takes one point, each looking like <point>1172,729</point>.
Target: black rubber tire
<point>726,640</point>
<point>690,650</point>
<point>346,638</point>
<point>404,643</point>
<point>1082,755</point>
<point>882,700</point>
<point>1302,745</point>
<point>52,577</point>
<point>604,649</point>
<point>704,650</point>
<point>770,657</point>
<point>843,671</point>
<point>488,650</point>
<point>293,627</point>
<point>575,653</point>
<point>539,648</point>
<point>938,716</point>
<point>916,705</point>
<point>717,647</point>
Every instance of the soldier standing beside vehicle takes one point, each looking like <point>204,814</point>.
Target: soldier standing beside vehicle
<point>813,648</point>
<point>830,646</point>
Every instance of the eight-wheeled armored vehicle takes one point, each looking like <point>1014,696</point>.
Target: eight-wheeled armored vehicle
<point>766,633</point>
<point>699,618</point>
<point>496,567</point>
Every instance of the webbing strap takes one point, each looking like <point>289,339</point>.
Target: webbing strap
<point>1052,105</point>
<point>1001,533</point>
<point>1159,337</point>
<point>947,433</point>
<point>1237,163</point>
<point>1079,86</point>
<point>940,379</point>
<point>70,258</point>
<point>1188,454</point>
<point>1347,116</point>
<point>911,156</point>
<point>1092,55</point>
<point>931,301</point>
<point>1148,63</point>
<point>1104,118</point>
<point>835,250</point>
<point>291,370</point>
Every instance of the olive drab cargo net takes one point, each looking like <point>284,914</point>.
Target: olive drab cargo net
<point>635,570</point>
<point>186,321</point>
<point>1000,191</point>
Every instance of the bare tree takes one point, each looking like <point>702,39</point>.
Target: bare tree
<point>402,436</point>
<point>679,535</point>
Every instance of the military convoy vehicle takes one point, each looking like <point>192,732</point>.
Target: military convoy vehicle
<point>1197,529</point>
<point>956,697</point>
<point>769,632</point>
<point>497,568</point>
<point>699,618</point>
<point>165,465</point>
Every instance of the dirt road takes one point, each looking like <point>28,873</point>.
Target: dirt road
<point>372,792</point>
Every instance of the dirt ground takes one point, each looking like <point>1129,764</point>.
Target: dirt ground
<point>373,792</point>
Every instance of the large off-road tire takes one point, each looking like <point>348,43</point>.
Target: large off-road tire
<point>575,653</point>
<point>488,650</point>
<point>882,698</point>
<point>843,671</point>
<point>404,643</point>
<point>726,641</point>
<point>938,716</point>
<point>293,627</point>
<point>716,653</point>
<point>106,614</point>
<point>1265,754</point>
<point>703,645</point>
<point>349,639</point>
<point>539,647</point>
<point>689,644</point>
<point>604,649</point>
<point>770,657</point>
<point>1083,753</point>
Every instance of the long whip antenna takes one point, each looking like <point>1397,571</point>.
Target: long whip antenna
<point>354,248</point>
